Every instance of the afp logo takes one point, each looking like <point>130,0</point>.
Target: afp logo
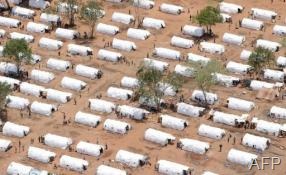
<point>272,162</point>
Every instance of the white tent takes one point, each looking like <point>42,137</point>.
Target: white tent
<point>89,149</point>
<point>257,142</point>
<point>171,9</point>
<point>233,39</point>
<point>238,67</point>
<point>107,170</point>
<point>12,129</point>
<point>278,112</point>
<point>267,127</point>
<point>76,49</point>
<point>209,173</point>
<point>27,38</point>
<point>50,18</point>
<point>230,8</point>
<point>279,30</point>
<point>17,102</point>
<point>109,55</point>
<point>155,64</point>
<point>281,61</point>
<point>58,96</point>
<point>212,47</point>
<point>57,64</point>
<point>158,137</point>
<point>245,54</point>
<point>130,159</point>
<point>239,104</point>
<point>199,96</point>
<point>42,108</point>
<point>145,4</point>
<point>74,164</point>
<point>119,93</point>
<point>122,18</point>
<point>2,33</point>
<point>150,103</point>
<point>5,145</point>
<point>57,141</point>
<point>9,22</point>
<point>252,24</point>
<point>193,31</point>
<point>1,51</point>
<point>42,76</point>
<point>37,27</point>
<point>66,33</point>
<point>263,14</point>
<point>241,157</point>
<point>132,112</point>
<point>123,45</point>
<point>167,89</point>
<point>89,72</point>
<point>170,168</point>
<point>167,53</point>
<point>198,58</point>
<point>50,44</point>
<point>35,58</point>
<point>64,7</point>
<point>39,4</point>
<point>189,110</point>
<point>23,12</point>
<point>10,81</point>
<point>192,145</point>
<point>270,45</point>
<point>107,29</point>
<point>18,168</point>
<point>73,84</point>
<point>7,68</point>
<point>116,126</point>
<point>184,70</point>
<point>228,119</point>
<point>41,155</point>
<point>15,1</point>
<point>138,34</point>
<point>226,80</point>
<point>173,122</point>
<point>101,105</point>
<point>87,119</point>
<point>274,75</point>
<point>182,42</point>
<point>257,85</point>
<point>225,17</point>
<point>129,82</point>
<point>211,132</point>
<point>153,23</point>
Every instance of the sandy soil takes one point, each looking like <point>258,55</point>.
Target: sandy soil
<point>113,72</point>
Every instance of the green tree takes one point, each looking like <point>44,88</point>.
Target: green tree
<point>203,75</point>
<point>90,12</point>
<point>261,58</point>
<point>4,91</point>
<point>18,51</point>
<point>208,17</point>
<point>149,86</point>
<point>69,10</point>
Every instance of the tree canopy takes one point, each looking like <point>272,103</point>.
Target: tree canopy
<point>70,9</point>
<point>4,91</point>
<point>90,12</point>
<point>208,16</point>
<point>149,83</point>
<point>204,75</point>
<point>18,51</point>
<point>261,58</point>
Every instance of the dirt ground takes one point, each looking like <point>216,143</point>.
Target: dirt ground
<point>214,160</point>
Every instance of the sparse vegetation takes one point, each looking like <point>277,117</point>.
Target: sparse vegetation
<point>261,58</point>
<point>149,87</point>
<point>208,17</point>
<point>90,12</point>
